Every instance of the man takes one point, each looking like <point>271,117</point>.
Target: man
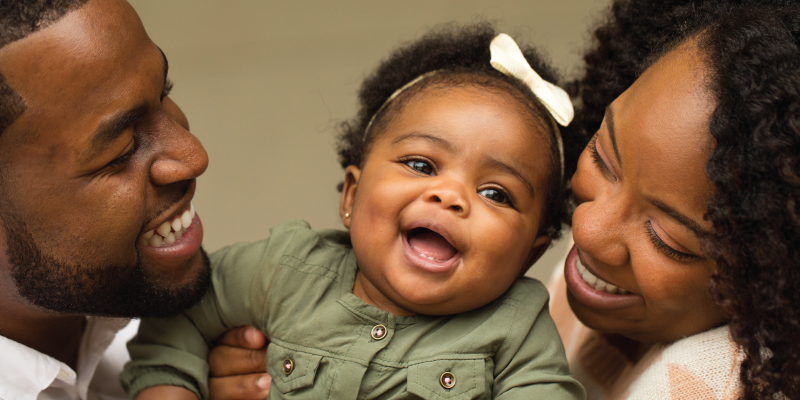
<point>97,174</point>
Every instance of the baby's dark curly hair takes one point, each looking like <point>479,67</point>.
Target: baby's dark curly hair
<point>460,56</point>
<point>751,51</point>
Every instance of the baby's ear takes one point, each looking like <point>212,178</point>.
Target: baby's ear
<point>540,245</point>
<point>351,175</point>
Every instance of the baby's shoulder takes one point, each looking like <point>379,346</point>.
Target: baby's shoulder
<point>527,294</point>
<point>293,238</point>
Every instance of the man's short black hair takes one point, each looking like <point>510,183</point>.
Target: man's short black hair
<point>19,19</point>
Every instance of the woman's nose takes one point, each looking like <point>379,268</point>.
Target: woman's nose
<point>180,156</point>
<point>449,194</point>
<point>599,228</point>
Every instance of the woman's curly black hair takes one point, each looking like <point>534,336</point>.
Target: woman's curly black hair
<point>461,56</point>
<point>751,51</point>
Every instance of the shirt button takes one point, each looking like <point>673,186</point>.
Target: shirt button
<point>287,366</point>
<point>378,332</point>
<point>448,380</point>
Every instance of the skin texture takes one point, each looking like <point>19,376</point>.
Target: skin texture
<point>456,138</point>
<point>663,141</point>
<point>80,207</point>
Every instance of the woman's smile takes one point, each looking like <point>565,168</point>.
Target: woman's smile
<point>594,292</point>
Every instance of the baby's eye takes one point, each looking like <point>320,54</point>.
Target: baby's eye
<point>420,166</point>
<point>494,195</point>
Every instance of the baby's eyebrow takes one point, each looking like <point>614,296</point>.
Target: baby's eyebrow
<point>436,141</point>
<point>494,163</point>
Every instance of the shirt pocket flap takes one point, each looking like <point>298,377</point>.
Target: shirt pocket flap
<point>448,379</point>
<point>291,369</point>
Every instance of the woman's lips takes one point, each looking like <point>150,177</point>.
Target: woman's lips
<point>427,262</point>
<point>588,294</point>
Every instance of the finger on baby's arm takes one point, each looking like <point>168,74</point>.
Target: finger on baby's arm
<point>239,387</point>
<point>166,393</point>
<point>227,360</point>
<point>243,336</point>
<point>238,352</point>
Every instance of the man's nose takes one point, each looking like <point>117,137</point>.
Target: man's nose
<point>449,194</point>
<point>180,157</point>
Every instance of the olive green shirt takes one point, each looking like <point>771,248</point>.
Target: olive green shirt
<point>297,288</point>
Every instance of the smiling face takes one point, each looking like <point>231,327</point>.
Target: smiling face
<point>100,157</point>
<point>446,211</point>
<point>642,192</point>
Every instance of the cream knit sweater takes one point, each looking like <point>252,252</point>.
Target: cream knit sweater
<point>702,366</point>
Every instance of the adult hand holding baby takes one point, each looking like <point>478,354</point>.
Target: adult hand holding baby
<point>232,362</point>
<point>235,369</point>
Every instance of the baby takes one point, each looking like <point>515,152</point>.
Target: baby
<point>453,187</point>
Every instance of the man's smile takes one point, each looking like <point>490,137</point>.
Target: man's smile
<point>170,230</point>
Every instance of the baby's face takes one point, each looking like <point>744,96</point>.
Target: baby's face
<point>444,214</point>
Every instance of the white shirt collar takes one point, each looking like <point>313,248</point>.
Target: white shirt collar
<point>25,372</point>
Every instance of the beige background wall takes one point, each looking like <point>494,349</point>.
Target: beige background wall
<point>265,83</point>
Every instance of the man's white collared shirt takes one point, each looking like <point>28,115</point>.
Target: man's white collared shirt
<point>26,374</point>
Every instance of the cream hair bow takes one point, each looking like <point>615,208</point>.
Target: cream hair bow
<point>508,59</point>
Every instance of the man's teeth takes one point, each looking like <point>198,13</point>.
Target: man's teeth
<point>597,283</point>
<point>170,231</point>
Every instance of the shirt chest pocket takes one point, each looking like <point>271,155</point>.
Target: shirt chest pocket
<point>449,379</point>
<point>291,370</point>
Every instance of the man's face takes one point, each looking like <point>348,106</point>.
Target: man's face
<point>100,157</point>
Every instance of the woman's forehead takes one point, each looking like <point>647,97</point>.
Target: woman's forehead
<point>661,126</point>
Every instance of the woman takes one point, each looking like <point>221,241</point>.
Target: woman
<point>689,184</point>
<point>687,214</point>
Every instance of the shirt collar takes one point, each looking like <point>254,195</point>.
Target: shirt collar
<point>24,372</point>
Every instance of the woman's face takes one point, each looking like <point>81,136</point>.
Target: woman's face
<point>637,267</point>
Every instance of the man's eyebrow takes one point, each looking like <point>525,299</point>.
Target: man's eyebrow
<point>166,64</point>
<point>494,163</point>
<point>436,141</point>
<point>612,133</point>
<point>682,219</point>
<point>110,129</point>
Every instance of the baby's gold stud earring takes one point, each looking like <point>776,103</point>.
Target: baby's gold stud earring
<point>347,215</point>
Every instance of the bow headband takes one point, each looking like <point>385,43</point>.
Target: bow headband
<point>508,59</point>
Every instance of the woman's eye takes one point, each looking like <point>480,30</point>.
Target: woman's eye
<point>494,195</point>
<point>599,160</point>
<point>665,248</point>
<point>420,166</point>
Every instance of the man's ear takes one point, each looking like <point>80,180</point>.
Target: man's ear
<point>351,175</point>
<point>540,245</point>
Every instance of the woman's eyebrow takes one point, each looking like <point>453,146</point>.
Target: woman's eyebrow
<point>682,219</point>
<point>612,133</point>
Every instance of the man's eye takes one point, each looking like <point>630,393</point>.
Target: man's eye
<point>167,88</point>
<point>494,195</point>
<point>420,166</point>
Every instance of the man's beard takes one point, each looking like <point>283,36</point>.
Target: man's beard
<point>109,290</point>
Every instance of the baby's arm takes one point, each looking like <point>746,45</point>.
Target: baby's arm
<point>173,351</point>
<point>532,364</point>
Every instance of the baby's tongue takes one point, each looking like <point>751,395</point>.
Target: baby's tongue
<point>431,244</point>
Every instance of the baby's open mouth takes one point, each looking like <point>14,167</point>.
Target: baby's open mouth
<point>431,245</point>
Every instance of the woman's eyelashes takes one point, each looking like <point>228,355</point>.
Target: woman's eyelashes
<point>665,248</point>
<point>599,160</point>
